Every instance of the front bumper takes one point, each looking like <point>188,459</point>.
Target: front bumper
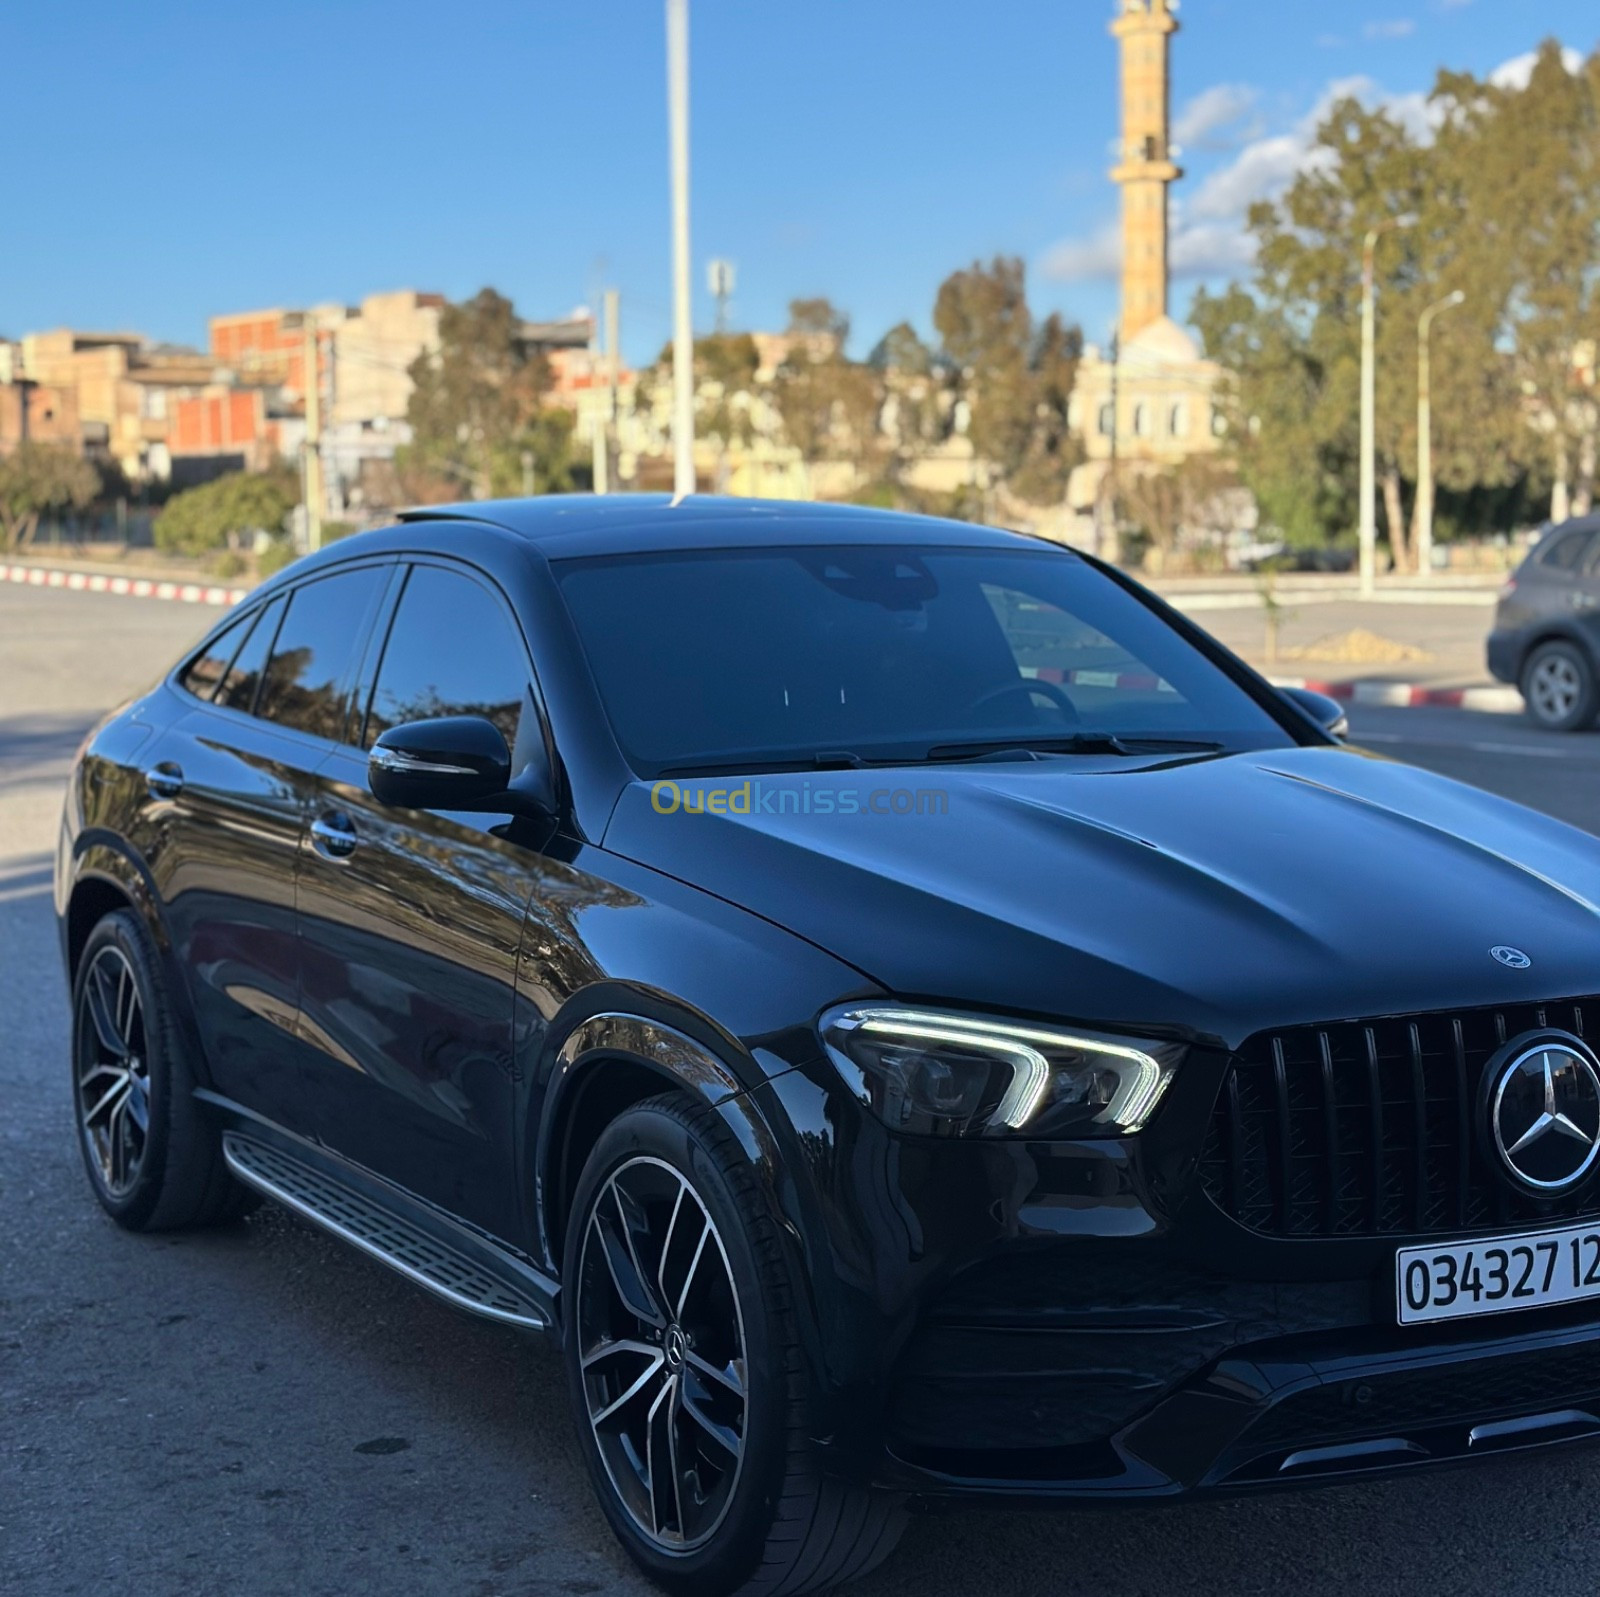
<point>1288,1411</point>
<point>1044,1322</point>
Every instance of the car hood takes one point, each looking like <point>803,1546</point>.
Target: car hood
<point>1220,895</point>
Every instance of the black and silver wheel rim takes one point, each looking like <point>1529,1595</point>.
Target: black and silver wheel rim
<point>113,1074</point>
<point>1554,687</point>
<point>660,1338</point>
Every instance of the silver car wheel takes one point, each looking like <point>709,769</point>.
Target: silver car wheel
<point>662,1350</point>
<point>112,1074</point>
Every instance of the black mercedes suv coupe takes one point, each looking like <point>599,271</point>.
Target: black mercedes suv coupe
<point>906,1009</point>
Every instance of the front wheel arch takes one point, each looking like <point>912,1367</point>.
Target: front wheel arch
<point>608,1063</point>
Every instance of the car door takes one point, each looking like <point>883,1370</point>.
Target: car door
<point>410,921</point>
<point>237,776</point>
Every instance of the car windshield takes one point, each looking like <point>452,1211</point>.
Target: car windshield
<point>775,657</point>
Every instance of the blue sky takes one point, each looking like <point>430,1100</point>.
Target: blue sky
<point>166,161</point>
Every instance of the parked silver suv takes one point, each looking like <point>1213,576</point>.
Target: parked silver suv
<point>1546,635</point>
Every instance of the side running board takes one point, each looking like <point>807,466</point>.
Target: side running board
<point>376,1230</point>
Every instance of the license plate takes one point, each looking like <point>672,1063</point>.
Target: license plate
<point>1497,1275</point>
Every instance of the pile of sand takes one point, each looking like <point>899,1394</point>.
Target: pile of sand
<point>1358,647</point>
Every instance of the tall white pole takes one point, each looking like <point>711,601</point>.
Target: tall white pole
<point>313,444</point>
<point>1369,422</point>
<point>682,328</point>
<point>613,359</point>
<point>1425,431</point>
<point>598,422</point>
<point>1369,404</point>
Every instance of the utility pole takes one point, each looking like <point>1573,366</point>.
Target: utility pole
<point>613,367</point>
<point>1425,431</point>
<point>1369,405</point>
<point>599,448</point>
<point>313,447</point>
<point>682,328</point>
<point>1109,545</point>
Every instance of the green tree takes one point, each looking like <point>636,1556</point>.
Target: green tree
<point>829,405</point>
<point>914,412</point>
<point>1017,378</point>
<point>36,478</point>
<point>1524,164</point>
<point>821,319</point>
<point>477,409</point>
<point>901,350</point>
<point>1501,200</point>
<point>227,513</point>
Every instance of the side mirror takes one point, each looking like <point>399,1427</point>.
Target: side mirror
<point>1327,713</point>
<point>453,763</point>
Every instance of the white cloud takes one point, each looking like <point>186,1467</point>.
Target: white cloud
<point>1212,110</point>
<point>1396,28</point>
<point>1096,258</point>
<point>1517,73</point>
<point>1211,249</point>
<point>1329,41</point>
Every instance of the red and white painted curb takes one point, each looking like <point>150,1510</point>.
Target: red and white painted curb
<point>132,587</point>
<point>1494,701</point>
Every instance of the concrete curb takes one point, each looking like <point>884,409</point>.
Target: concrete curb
<point>1298,598</point>
<point>1493,701</point>
<point>132,587</point>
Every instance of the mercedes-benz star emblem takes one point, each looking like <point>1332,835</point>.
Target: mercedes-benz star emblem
<point>1544,1111</point>
<point>1514,957</point>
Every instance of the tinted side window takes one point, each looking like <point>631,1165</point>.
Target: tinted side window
<point>1565,554</point>
<point>307,678</point>
<point>243,677</point>
<point>452,651</point>
<point>205,671</point>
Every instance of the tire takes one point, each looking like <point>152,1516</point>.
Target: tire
<point>1559,688</point>
<point>129,1063</point>
<point>759,1519</point>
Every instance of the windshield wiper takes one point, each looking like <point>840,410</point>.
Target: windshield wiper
<point>744,765</point>
<point>1074,743</point>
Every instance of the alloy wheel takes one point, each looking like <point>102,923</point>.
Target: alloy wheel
<point>1554,687</point>
<point>662,1350</point>
<point>113,1073</point>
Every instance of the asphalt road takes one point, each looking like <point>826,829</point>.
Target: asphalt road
<point>259,1410</point>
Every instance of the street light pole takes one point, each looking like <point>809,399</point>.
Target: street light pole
<point>682,328</point>
<point>312,472</point>
<point>1369,405</point>
<point>1425,431</point>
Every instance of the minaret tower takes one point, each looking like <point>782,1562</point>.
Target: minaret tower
<point>1145,169</point>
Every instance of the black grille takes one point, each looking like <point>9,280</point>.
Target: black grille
<point>1368,1128</point>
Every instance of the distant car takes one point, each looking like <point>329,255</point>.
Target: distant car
<point>908,1010</point>
<point>1546,636</point>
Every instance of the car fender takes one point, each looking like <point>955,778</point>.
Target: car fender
<point>689,1063</point>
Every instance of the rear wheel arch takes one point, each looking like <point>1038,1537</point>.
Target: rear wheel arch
<point>1556,633</point>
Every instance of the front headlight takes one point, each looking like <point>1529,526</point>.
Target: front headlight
<point>931,1073</point>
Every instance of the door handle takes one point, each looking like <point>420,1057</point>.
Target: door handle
<point>164,781</point>
<point>334,836</point>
